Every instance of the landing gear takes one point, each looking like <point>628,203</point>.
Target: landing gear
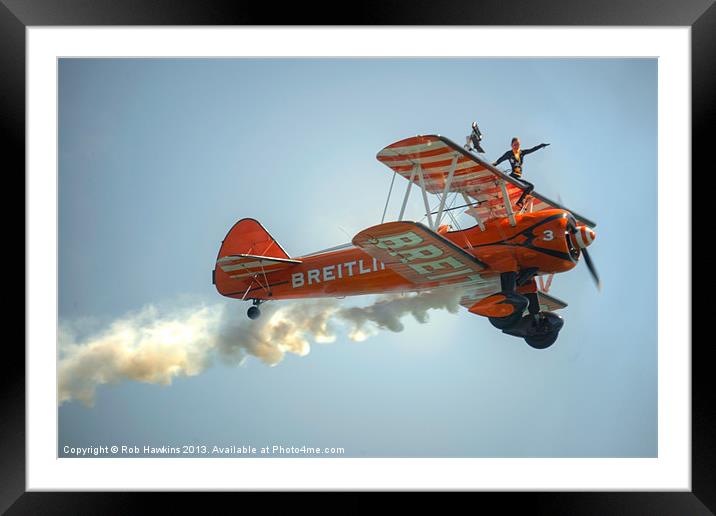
<point>545,330</point>
<point>508,281</point>
<point>253,311</point>
<point>542,341</point>
<point>503,323</point>
<point>518,302</point>
<point>539,330</point>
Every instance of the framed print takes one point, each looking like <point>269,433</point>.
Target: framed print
<point>139,141</point>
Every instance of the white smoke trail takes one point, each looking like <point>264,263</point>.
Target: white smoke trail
<point>145,347</point>
<point>154,348</point>
<point>387,312</point>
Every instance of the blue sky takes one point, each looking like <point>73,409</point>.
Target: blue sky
<point>158,158</point>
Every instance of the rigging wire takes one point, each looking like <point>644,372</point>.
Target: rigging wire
<point>457,226</point>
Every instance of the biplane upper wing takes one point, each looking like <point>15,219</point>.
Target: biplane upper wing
<point>434,162</point>
<point>419,254</point>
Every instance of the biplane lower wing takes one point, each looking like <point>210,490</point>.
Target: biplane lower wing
<point>473,294</point>
<point>549,303</point>
<point>419,254</point>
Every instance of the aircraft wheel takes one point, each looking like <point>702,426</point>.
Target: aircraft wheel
<point>503,323</point>
<point>547,333</point>
<point>253,312</point>
<point>542,341</point>
<point>518,302</point>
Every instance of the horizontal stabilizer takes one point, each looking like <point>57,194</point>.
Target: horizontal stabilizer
<point>244,265</point>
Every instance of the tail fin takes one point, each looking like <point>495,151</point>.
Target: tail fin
<point>247,250</point>
<point>248,236</point>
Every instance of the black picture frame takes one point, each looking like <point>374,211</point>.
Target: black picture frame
<point>700,15</point>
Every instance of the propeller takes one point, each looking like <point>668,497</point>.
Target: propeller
<point>592,269</point>
<point>582,236</point>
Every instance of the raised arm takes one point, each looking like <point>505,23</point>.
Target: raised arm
<point>535,148</point>
<point>501,158</point>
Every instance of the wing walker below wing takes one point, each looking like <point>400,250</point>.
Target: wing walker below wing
<point>503,265</point>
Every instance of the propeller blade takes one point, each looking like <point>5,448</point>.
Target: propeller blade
<point>592,269</point>
<point>572,228</point>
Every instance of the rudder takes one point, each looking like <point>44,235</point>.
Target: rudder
<point>247,249</point>
<point>248,236</point>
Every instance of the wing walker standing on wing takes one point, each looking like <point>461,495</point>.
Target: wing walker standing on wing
<point>516,158</point>
<point>495,264</point>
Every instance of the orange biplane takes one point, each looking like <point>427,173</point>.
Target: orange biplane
<point>503,265</point>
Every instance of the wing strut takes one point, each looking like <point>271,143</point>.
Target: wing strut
<point>448,182</point>
<point>544,286</point>
<point>425,195</point>
<point>407,193</point>
<point>473,212</point>
<point>390,191</point>
<point>506,201</point>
